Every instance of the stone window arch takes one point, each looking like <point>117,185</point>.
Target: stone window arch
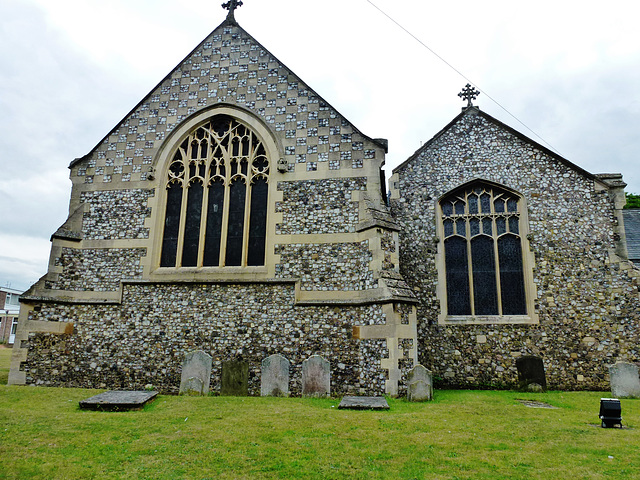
<point>485,264</point>
<point>216,197</point>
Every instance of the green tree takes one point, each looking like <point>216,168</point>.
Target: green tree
<point>633,200</point>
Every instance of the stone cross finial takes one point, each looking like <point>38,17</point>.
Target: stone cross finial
<point>469,93</point>
<point>231,5</point>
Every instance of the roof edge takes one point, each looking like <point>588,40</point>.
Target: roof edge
<point>476,111</point>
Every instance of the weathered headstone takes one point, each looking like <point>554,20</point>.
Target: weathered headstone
<point>419,384</point>
<point>274,380</point>
<point>196,374</point>
<point>316,377</point>
<point>235,379</point>
<point>531,374</point>
<point>625,380</point>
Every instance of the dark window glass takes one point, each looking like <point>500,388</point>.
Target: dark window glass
<point>485,203</point>
<point>171,225</point>
<point>513,224</point>
<point>474,226</point>
<point>192,226</point>
<point>214,225</point>
<point>257,222</point>
<point>487,226</point>
<point>459,208</point>
<point>458,295</point>
<point>498,205</point>
<point>501,225</point>
<point>460,228</point>
<point>485,290</point>
<point>512,205</point>
<point>237,196</point>
<point>447,208</point>
<point>473,204</point>
<point>448,228</point>
<point>511,275</point>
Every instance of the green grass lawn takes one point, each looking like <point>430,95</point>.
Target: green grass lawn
<point>5,361</point>
<point>460,435</point>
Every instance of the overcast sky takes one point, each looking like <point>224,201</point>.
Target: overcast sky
<point>70,70</point>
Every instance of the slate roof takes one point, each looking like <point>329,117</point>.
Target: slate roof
<point>632,229</point>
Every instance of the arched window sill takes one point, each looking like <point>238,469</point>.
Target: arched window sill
<point>208,273</point>
<point>488,320</point>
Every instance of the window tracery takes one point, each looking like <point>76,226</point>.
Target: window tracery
<point>483,252</point>
<point>217,189</point>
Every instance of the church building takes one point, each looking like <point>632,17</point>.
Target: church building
<point>237,212</point>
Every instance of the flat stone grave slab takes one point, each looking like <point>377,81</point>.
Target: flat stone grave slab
<point>118,401</point>
<point>535,404</point>
<point>363,403</point>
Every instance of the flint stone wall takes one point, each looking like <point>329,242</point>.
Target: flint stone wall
<point>115,214</point>
<point>145,339</point>
<point>327,266</point>
<point>319,206</point>
<point>97,269</point>
<point>588,304</point>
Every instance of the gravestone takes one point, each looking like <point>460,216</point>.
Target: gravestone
<point>274,380</point>
<point>196,374</point>
<point>531,374</point>
<point>235,379</point>
<point>316,377</point>
<point>625,381</point>
<point>419,384</point>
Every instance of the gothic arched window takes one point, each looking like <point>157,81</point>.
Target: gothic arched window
<point>483,252</point>
<point>217,186</point>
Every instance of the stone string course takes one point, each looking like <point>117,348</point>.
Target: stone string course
<point>96,270</point>
<point>116,214</point>
<point>327,266</point>
<point>319,206</point>
<point>145,339</point>
<point>588,305</point>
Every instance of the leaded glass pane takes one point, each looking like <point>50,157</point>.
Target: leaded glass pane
<point>459,207</point>
<point>192,226</point>
<point>447,208</point>
<point>501,225</point>
<point>485,290</point>
<point>171,225</point>
<point>237,196</point>
<point>514,224</point>
<point>448,228</point>
<point>485,203</point>
<point>214,225</point>
<point>498,205</point>
<point>487,226</point>
<point>473,204</point>
<point>512,205</point>
<point>474,226</point>
<point>458,293</point>
<point>258,222</point>
<point>511,276</point>
<point>460,228</point>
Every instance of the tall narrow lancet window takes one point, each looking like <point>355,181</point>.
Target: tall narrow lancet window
<point>483,252</point>
<point>216,208</point>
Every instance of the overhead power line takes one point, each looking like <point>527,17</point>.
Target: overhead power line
<point>433,52</point>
